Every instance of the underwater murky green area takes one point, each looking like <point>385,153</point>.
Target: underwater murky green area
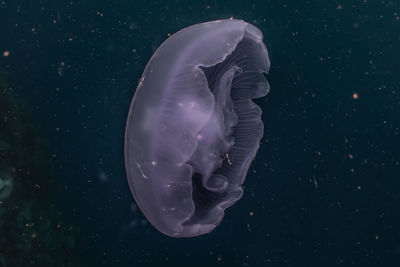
<point>323,189</point>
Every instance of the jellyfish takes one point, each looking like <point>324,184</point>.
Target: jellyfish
<point>193,130</point>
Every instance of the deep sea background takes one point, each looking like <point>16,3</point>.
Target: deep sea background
<point>324,189</point>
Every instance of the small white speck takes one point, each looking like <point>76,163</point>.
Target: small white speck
<point>315,181</point>
<point>229,160</point>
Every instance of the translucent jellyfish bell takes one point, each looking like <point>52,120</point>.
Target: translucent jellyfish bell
<point>192,129</point>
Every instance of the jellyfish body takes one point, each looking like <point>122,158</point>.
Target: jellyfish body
<point>192,129</point>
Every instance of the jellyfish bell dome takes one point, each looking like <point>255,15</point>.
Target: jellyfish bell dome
<point>192,128</point>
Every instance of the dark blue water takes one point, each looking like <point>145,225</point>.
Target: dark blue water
<point>324,189</point>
